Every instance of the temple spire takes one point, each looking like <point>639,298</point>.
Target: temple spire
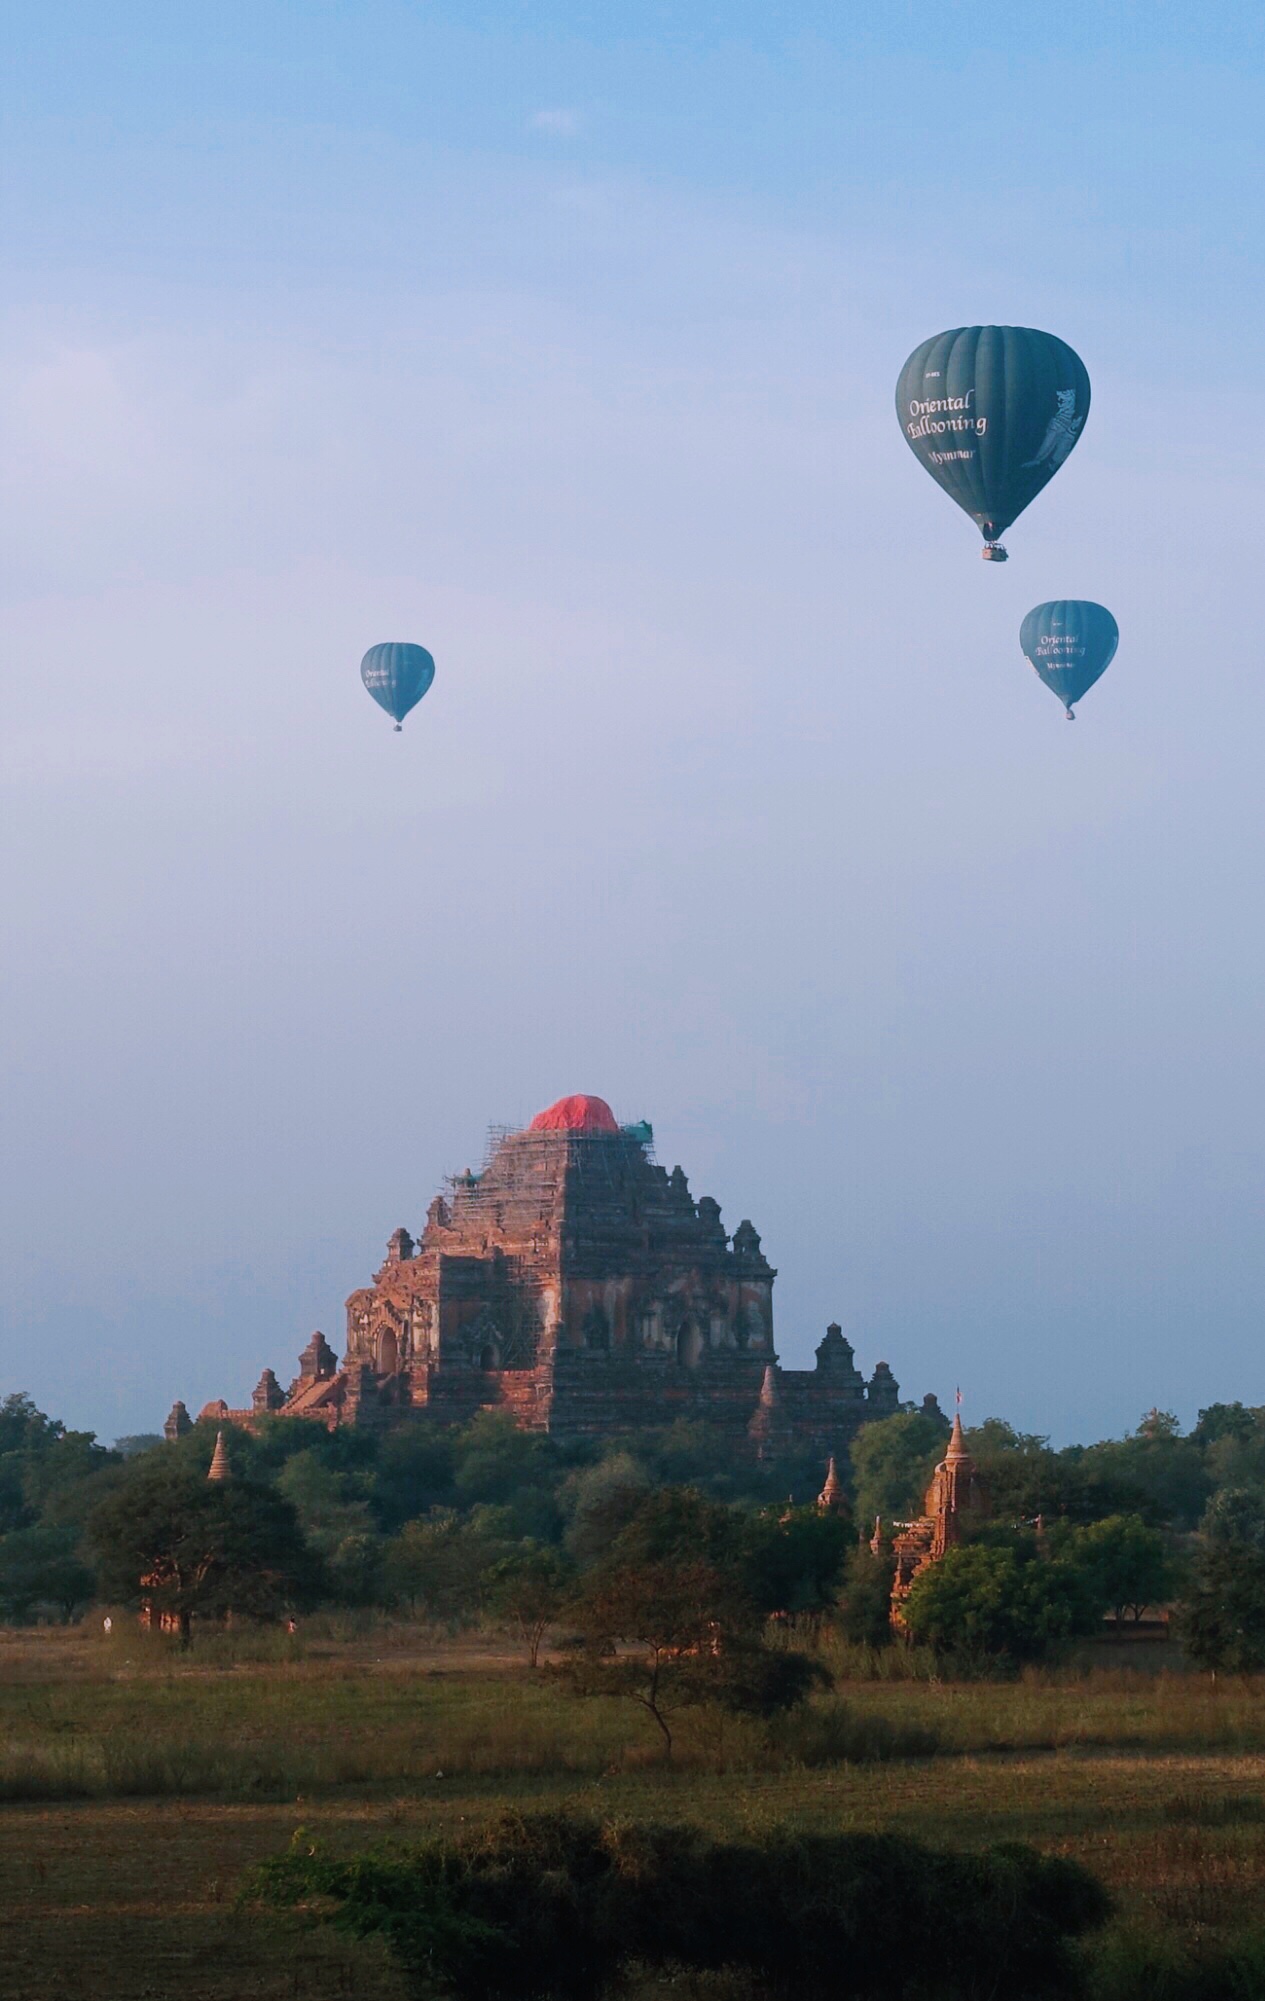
<point>220,1469</point>
<point>831,1499</point>
<point>957,1444</point>
<point>770,1429</point>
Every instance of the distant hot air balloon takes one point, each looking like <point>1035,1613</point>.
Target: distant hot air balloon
<point>992,412</point>
<point>1070,642</point>
<point>397,675</point>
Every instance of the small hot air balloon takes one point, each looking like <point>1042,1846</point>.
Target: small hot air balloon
<point>992,412</point>
<point>397,675</point>
<point>1070,642</point>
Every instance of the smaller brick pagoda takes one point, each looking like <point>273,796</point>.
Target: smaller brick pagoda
<point>956,1498</point>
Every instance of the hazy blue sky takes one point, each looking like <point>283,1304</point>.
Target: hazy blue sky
<point>563,340</point>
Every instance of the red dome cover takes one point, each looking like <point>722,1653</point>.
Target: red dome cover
<point>579,1114</point>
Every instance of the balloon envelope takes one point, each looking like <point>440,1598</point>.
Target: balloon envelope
<point>1070,642</point>
<point>397,675</point>
<point>992,412</point>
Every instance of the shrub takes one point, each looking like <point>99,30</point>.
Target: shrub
<point>834,1733</point>
<point>1144,1966</point>
<point>553,1906</point>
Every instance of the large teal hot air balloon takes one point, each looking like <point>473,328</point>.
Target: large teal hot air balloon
<point>1070,642</point>
<point>992,412</point>
<point>397,675</point>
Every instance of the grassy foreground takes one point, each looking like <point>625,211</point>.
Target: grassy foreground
<point>137,1785</point>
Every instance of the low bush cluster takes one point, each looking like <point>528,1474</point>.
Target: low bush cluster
<point>1136,1965</point>
<point>552,1905</point>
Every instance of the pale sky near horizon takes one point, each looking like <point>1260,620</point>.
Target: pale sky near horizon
<point>563,340</point>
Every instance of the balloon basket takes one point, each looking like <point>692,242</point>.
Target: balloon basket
<point>398,728</point>
<point>992,552</point>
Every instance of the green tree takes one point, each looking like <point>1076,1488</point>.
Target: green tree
<point>1002,1602</point>
<point>412,1474</point>
<point>1221,1620</point>
<point>23,1428</point>
<point>45,1469</point>
<point>498,1465</point>
<point>1026,1479</point>
<point>676,1634</point>
<point>1125,1563</point>
<point>865,1601</point>
<point>199,1548</point>
<point>1225,1420</point>
<point>133,1443</point>
<point>1237,1457</point>
<point>782,1560</point>
<point>795,1558</point>
<point>494,1460</point>
<point>892,1462</point>
<point>1235,1518</point>
<point>437,1566</point>
<point>355,1566</point>
<point>1022,1474</point>
<point>261,1453</point>
<point>14,1511</point>
<point>601,1501</point>
<point>329,1501</point>
<point>995,1439</point>
<point>42,1567</point>
<point>688,1453</point>
<point>680,1525</point>
<point>530,1588</point>
<point>1158,1463</point>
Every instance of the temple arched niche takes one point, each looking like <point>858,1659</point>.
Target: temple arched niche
<point>650,1330</point>
<point>485,1346</point>
<point>755,1329</point>
<point>388,1352</point>
<point>596,1331</point>
<point>689,1343</point>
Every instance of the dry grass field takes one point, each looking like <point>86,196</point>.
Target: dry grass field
<point>136,1785</point>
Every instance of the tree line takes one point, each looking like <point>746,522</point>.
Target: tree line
<point>466,1524</point>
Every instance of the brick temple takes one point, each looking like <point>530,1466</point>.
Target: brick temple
<point>579,1286</point>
